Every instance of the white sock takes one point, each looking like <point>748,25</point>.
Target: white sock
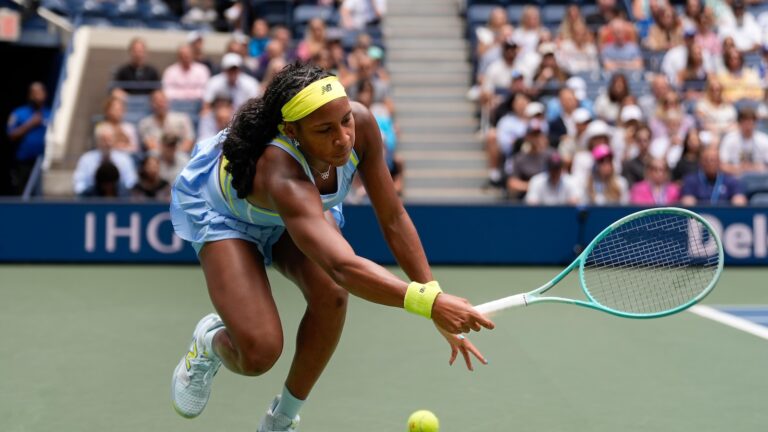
<point>208,342</point>
<point>289,404</point>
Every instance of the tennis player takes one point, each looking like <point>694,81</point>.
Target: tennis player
<point>269,189</point>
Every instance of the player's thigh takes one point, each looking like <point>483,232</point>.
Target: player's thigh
<point>240,292</point>
<point>318,288</point>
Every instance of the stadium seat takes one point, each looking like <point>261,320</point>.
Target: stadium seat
<point>759,199</point>
<point>103,9</point>
<point>752,60</point>
<point>652,60</point>
<point>304,13</point>
<point>515,13</point>
<point>755,183</point>
<point>274,11</point>
<point>552,14</point>
<point>191,107</point>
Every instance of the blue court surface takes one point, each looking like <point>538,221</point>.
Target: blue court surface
<point>757,314</point>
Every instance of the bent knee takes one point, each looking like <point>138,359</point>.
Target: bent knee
<point>259,356</point>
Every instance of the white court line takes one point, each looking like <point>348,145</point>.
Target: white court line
<point>730,320</point>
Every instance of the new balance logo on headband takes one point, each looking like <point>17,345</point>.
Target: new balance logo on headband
<point>325,89</point>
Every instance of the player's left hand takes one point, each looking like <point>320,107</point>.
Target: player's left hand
<point>459,343</point>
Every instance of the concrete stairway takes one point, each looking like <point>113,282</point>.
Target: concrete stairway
<point>427,60</point>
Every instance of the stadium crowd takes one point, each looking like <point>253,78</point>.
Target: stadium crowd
<point>152,118</point>
<point>660,104</point>
<point>652,106</point>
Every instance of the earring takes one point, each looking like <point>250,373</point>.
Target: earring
<point>295,142</point>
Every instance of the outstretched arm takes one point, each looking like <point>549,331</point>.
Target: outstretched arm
<point>396,225</point>
<point>299,205</point>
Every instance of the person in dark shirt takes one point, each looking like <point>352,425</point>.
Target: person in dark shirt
<point>710,185</point>
<point>26,130</point>
<point>137,70</point>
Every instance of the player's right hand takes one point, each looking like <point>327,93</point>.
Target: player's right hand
<point>456,315</point>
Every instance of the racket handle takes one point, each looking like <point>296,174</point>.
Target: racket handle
<point>501,304</point>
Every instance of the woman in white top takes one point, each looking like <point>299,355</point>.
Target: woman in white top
<point>713,114</point>
<point>578,54</point>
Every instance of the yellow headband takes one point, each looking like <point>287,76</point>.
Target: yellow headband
<point>312,97</point>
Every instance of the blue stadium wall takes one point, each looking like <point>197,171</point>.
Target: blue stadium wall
<point>142,233</point>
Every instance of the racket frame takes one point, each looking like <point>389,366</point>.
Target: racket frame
<point>534,296</point>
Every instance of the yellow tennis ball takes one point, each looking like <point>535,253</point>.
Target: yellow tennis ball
<point>423,421</point>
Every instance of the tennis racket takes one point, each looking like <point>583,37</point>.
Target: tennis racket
<point>650,264</point>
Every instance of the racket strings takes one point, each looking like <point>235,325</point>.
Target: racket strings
<point>651,264</point>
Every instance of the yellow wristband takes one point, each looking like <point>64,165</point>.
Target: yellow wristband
<point>420,297</point>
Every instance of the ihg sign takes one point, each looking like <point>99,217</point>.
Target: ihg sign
<point>155,231</point>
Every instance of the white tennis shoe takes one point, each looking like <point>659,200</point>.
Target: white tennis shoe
<point>276,421</point>
<point>193,376</point>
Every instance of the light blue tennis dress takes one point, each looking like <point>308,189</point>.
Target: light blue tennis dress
<point>205,206</point>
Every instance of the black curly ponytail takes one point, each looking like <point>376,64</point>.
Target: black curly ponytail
<point>255,123</point>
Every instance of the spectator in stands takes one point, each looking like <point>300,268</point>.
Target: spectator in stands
<point>138,76</point>
<point>609,102</point>
<point>578,87</point>
<point>314,40</point>
<point>621,53</point>
<point>84,177</point>
<point>239,45</point>
<point>666,32</point>
<point>363,43</point>
<point>125,137</point>
<point>744,29</point>
<point>495,52</point>
<point>623,138</point>
<point>650,103</point>
<point>499,73</point>
<point>150,185</point>
<point>489,34</point>
<point>706,36</point>
<point>608,34</point>
<point>691,12</point>
<point>163,121</point>
<point>710,185</point>
<point>570,21</point>
<point>231,81</point>
<point>106,182</point>
<point>185,79</point>
<point>712,113</point>
<point>531,160</point>
<point>217,118</point>
<point>570,144</point>
<point>366,73</point>
<point>259,38</point>
<point>549,77</point>
<point>357,14</point>
<point>637,154</point>
<point>553,186</point>
<point>676,58</point>
<point>26,129</point>
<point>739,82</point>
<point>597,134</point>
<point>762,69</point>
<point>563,124</point>
<point>656,189</point>
<point>511,127</point>
<point>530,31</point>
<point>671,111</point>
<point>273,60</point>
<point>196,43</point>
<point>607,10</point>
<point>689,160</point>
<point>694,74</point>
<point>578,54</point>
<point>171,158</point>
<point>744,150</point>
<point>604,186</point>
